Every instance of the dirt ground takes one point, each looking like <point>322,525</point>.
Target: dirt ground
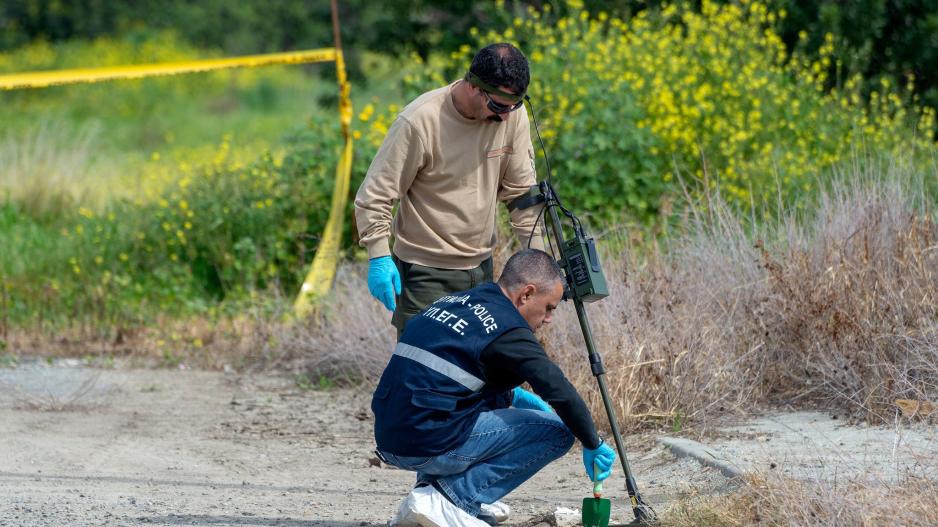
<point>82,446</point>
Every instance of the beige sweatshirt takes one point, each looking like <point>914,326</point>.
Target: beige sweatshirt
<point>448,172</point>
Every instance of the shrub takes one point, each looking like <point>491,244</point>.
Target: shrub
<point>213,238</point>
<point>713,93</point>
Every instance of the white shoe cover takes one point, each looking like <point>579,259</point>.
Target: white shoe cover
<point>498,510</point>
<point>426,507</point>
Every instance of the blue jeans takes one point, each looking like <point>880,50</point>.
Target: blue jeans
<point>505,448</point>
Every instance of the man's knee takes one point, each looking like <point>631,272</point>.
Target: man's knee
<point>561,435</point>
<point>566,440</point>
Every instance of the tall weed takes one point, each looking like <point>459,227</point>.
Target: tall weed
<point>53,166</point>
<point>833,305</point>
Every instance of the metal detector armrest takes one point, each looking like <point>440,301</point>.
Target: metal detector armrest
<point>532,197</point>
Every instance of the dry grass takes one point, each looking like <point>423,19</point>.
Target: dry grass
<point>48,400</point>
<point>772,499</point>
<point>46,168</point>
<point>247,342</point>
<point>839,307</point>
<point>350,339</point>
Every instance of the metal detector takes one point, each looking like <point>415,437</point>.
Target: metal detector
<point>585,283</point>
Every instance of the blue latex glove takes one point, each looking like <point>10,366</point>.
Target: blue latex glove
<point>521,398</point>
<point>383,280</point>
<point>603,456</point>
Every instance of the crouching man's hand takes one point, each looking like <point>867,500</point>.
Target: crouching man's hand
<point>602,457</point>
<point>524,399</point>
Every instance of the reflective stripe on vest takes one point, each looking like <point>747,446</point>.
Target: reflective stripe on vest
<point>439,365</point>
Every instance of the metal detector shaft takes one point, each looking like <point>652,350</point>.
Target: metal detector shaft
<point>641,511</point>
<point>598,371</point>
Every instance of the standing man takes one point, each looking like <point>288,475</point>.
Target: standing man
<point>442,404</point>
<point>450,156</point>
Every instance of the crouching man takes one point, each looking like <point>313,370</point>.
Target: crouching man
<point>449,406</point>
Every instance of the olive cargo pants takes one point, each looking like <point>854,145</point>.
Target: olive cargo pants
<point>421,286</point>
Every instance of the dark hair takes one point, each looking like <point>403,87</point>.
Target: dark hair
<point>502,65</point>
<point>530,266</point>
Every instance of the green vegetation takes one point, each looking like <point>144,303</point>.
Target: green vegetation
<point>222,231</point>
<point>323,383</point>
<point>83,143</point>
<point>875,38</point>
<point>710,95</point>
<point>129,203</point>
<point>111,207</point>
<point>7,360</point>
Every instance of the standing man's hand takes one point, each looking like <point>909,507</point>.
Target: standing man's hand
<point>603,457</point>
<point>384,282</point>
<point>522,398</point>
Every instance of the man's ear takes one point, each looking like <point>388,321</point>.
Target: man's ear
<point>527,293</point>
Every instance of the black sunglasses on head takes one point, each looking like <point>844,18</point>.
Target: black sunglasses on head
<point>487,89</point>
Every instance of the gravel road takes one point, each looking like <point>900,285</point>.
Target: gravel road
<point>82,446</point>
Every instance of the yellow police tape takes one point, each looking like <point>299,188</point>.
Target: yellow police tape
<point>322,272</point>
<point>43,79</point>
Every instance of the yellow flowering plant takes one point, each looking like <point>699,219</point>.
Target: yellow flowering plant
<point>710,94</point>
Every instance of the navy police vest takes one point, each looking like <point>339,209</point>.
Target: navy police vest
<point>433,389</point>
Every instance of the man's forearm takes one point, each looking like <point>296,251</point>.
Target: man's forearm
<point>374,227</point>
<point>527,228</point>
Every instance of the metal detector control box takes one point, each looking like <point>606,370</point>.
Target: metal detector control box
<point>579,258</point>
<point>585,273</point>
